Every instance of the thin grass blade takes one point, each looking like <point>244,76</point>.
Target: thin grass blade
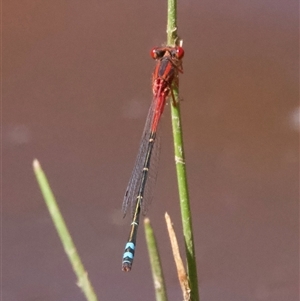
<point>157,274</point>
<point>65,237</point>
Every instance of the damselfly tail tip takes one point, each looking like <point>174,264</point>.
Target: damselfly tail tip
<point>128,256</point>
<point>126,267</point>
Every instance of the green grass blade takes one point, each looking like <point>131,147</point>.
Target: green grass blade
<point>157,274</point>
<point>65,237</point>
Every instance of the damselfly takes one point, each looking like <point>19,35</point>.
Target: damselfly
<point>168,65</point>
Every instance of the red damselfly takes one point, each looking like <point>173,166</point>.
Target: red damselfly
<point>168,65</point>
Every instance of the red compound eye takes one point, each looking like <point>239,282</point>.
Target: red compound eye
<point>157,52</point>
<point>179,52</point>
<point>153,53</point>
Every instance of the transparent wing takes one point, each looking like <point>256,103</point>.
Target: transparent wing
<point>135,179</point>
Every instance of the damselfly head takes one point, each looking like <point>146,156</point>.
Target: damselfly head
<point>159,52</point>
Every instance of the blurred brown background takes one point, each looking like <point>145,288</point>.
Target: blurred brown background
<point>76,90</point>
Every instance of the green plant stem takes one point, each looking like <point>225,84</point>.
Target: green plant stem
<point>157,274</point>
<point>171,23</point>
<point>65,237</point>
<point>180,164</point>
